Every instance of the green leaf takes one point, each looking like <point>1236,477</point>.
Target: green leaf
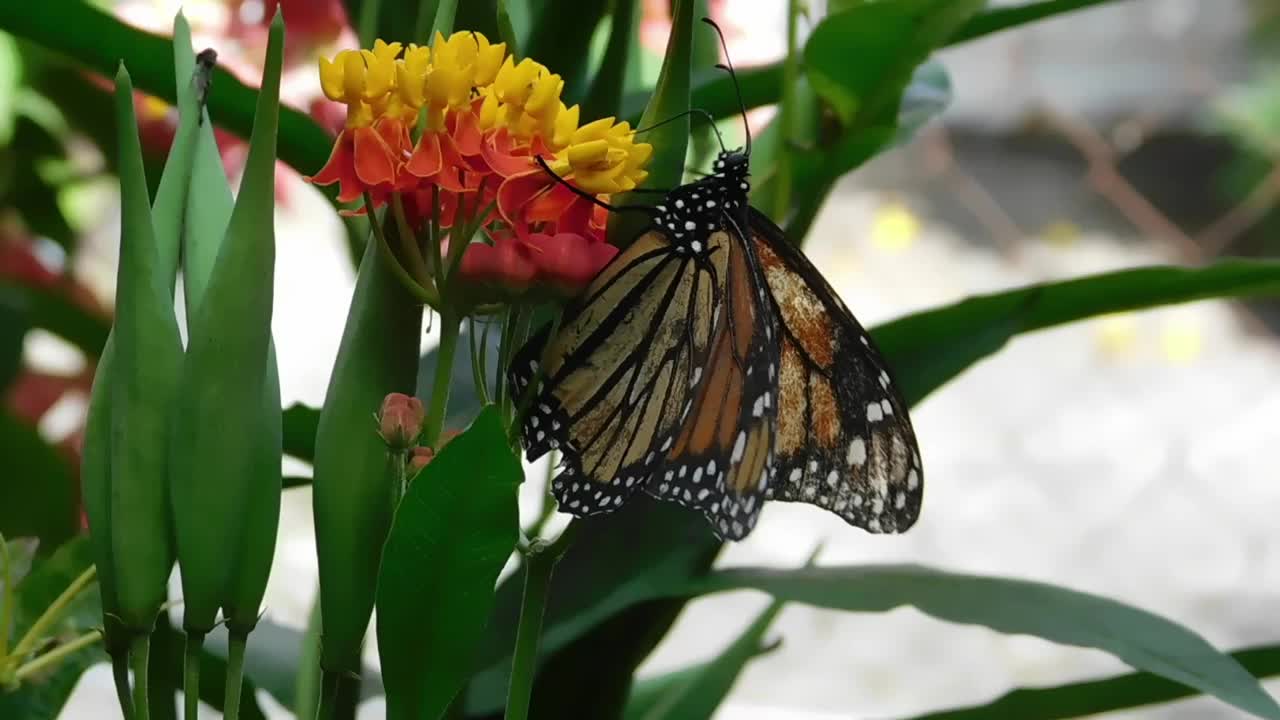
<point>561,40</point>
<point>43,697</point>
<point>928,348</point>
<point>300,424</point>
<point>696,692</point>
<point>1093,697</point>
<point>513,25</point>
<point>610,567</point>
<point>861,60</point>
<point>52,309</point>
<point>1017,607</point>
<point>605,93</point>
<point>38,495</point>
<point>99,41</point>
<point>453,532</point>
<point>996,19</point>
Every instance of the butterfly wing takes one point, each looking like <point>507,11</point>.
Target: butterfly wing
<point>844,439</point>
<point>619,373</point>
<point>720,462</point>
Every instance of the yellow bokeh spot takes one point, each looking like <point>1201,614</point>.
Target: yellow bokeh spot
<point>1181,341</point>
<point>1117,334</point>
<point>1061,233</point>
<point>894,227</point>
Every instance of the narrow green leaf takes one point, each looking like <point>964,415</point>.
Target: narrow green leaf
<point>928,348</point>
<point>99,41</point>
<point>453,532</point>
<point>53,309</point>
<point>513,25</point>
<point>995,19</point>
<point>442,23</point>
<point>1094,697</point>
<point>43,697</point>
<point>604,96</point>
<point>1143,640</point>
<point>351,495</point>
<point>669,102</point>
<point>696,692</point>
<point>561,40</point>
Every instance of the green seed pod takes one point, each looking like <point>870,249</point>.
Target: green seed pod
<point>352,493</point>
<point>223,383</point>
<point>142,379</point>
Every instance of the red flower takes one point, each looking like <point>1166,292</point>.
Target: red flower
<point>506,265</point>
<point>569,262</point>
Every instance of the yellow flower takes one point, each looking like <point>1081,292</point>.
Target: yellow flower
<point>411,75</point>
<point>470,55</point>
<point>360,78</point>
<point>603,157</point>
<point>526,99</point>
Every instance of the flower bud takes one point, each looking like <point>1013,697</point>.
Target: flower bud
<point>419,459</point>
<point>400,420</point>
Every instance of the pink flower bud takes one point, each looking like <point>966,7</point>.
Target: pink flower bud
<point>400,420</point>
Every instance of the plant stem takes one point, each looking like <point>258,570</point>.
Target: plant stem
<point>139,659</point>
<point>191,675</point>
<point>306,697</point>
<point>339,694</point>
<point>6,600</point>
<point>120,674</point>
<point>236,646</point>
<point>419,292</point>
<point>54,612</point>
<point>440,383</point>
<point>57,655</point>
<point>539,564</point>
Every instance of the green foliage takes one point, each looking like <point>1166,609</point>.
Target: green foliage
<point>451,643</point>
<point>453,532</point>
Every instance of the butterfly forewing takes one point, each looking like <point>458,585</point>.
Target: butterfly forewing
<point>845,442</point>
<point>638,331</point>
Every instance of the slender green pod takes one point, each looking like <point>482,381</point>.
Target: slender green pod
<point>352,494</point>
<point>217,443</point>
<point>147,354</point>
<point>166,218</point>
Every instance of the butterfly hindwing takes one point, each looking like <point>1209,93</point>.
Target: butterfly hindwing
<point>845,441</point>
<point>721,460</point>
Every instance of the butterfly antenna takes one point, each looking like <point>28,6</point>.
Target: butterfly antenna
<point>695,111</point>
<point>651,212</point>
<point>727,66</point>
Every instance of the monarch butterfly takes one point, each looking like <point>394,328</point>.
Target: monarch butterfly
<point>710,364</point>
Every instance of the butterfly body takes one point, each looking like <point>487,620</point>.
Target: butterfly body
<point>711,365</point>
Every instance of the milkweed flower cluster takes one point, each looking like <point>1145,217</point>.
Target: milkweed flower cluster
<point>449,136</point>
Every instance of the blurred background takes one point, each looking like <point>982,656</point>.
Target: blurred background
<point>1131,456</point>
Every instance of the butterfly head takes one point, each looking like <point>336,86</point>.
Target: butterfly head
<point>690,212</point>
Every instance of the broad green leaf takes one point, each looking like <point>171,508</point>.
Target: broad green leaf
<point>453,532</point>
<point>38,495</point>
<point>1093,697</point>
<point>696,692</point>
<point>42,697</point>
<point>99,41</point>
<point>861,60</point>
<point>15,311</point>
<point>1017,607</point>
<point>928,348</point>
